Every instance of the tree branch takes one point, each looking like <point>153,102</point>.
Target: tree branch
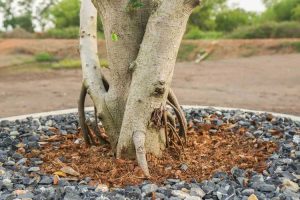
<point>88,53</point>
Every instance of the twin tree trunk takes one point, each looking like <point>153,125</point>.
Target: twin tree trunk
<point>142,41</point>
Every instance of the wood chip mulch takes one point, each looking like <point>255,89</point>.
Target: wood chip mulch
<point>205,154</point>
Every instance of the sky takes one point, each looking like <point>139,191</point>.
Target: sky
<point>249,5</point>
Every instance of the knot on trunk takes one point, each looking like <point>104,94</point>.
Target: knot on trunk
<point>159,88</point>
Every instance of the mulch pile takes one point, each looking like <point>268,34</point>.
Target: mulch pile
<point>205,154</point>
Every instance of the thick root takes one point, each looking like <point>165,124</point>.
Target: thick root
<point>173,102</point>
<point>178,112</point>
<point>84,124</point>
<point>82,121</point>
<point>139,144</point>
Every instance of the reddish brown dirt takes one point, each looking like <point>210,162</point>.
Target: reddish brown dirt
<point>269,83</point>
<point>220,49</point>
<point>263,81</point>
<point>216,152</point>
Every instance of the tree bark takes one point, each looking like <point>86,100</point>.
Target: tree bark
<point>141,61</point>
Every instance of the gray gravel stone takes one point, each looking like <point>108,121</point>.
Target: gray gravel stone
<point>248,192</point>
<point>33,169</point>
<point>149,188</point>
<point>180,194</point>
<point>197,192</point>
<point>266,187</point>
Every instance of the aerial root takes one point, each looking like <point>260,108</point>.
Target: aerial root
<point>173,102</point>
<point>86,124</point>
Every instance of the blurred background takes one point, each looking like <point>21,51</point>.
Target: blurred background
<point>235,53</point>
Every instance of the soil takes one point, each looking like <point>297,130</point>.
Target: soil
<point>269,83</point>
<point>217,49</point>
<point>221,151</point>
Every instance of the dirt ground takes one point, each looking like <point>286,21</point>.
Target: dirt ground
<point>270,83</point>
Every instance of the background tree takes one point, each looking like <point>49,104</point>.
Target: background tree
<point>204,16</point>
<point>230,19</point>
<point>142,38</point>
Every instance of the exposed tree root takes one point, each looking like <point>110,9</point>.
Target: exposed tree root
<point>139,144</point>
<point>82,121</point>
<point>161,117</point>
<point>179,113</point>
<point>84,124</point>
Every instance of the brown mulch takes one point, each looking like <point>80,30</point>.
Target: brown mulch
<point>205,154</point>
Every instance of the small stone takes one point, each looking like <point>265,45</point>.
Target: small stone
<point>14,133</point>
<point>252,197</point>
<point>38,162</point>
<point>7,183</point>
<point>184,167</point>
<point>78,141</point>
<point>149,188</point>
<point>20,192</point>
<point>193,198</point>
<point>296,139</point>
<point>69,170</point>
<point>101,188</point>
<point>10,163</point>
<point>297,154</point>
<point>291,195</point>
<point>197,192</point>
<point>46,180</point>
<point>257,133</point>
<point>22,161</point>
<point>33,169</point>
<point>266,187</point>
<point>72,196</point>
<point>28,195</point>
<point>290,185</point>
<point>180,194</point>
<point>248,192</point>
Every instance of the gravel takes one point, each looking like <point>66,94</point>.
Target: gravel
<point>21,178</point>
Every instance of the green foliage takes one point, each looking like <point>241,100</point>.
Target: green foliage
<point>67,64</point>
<point>296,13</point>
<point>114,37</point>
<point>229,20</point>
<point>296,46</point>
<point>283,10</point>
<point>65,13</point>
<point>67,33</point>
<point>44,57</point>
<point>204,15</point>
<point>268,30</point>
<point>196,33</point>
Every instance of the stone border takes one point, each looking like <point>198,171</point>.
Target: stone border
<point>74,110</point>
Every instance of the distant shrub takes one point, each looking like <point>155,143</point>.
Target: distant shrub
<point>195,33</point>
<point>295,45</point>
<point>44,57</point>
<point>17,33</point>
<point>66,33</point>
<point>268,30</point>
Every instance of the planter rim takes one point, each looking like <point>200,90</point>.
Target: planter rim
<point>74,110</point>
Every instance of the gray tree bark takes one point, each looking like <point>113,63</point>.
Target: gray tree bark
<point>141,64</point>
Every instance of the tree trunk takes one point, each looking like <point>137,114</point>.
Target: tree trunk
<point>142,44</point>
